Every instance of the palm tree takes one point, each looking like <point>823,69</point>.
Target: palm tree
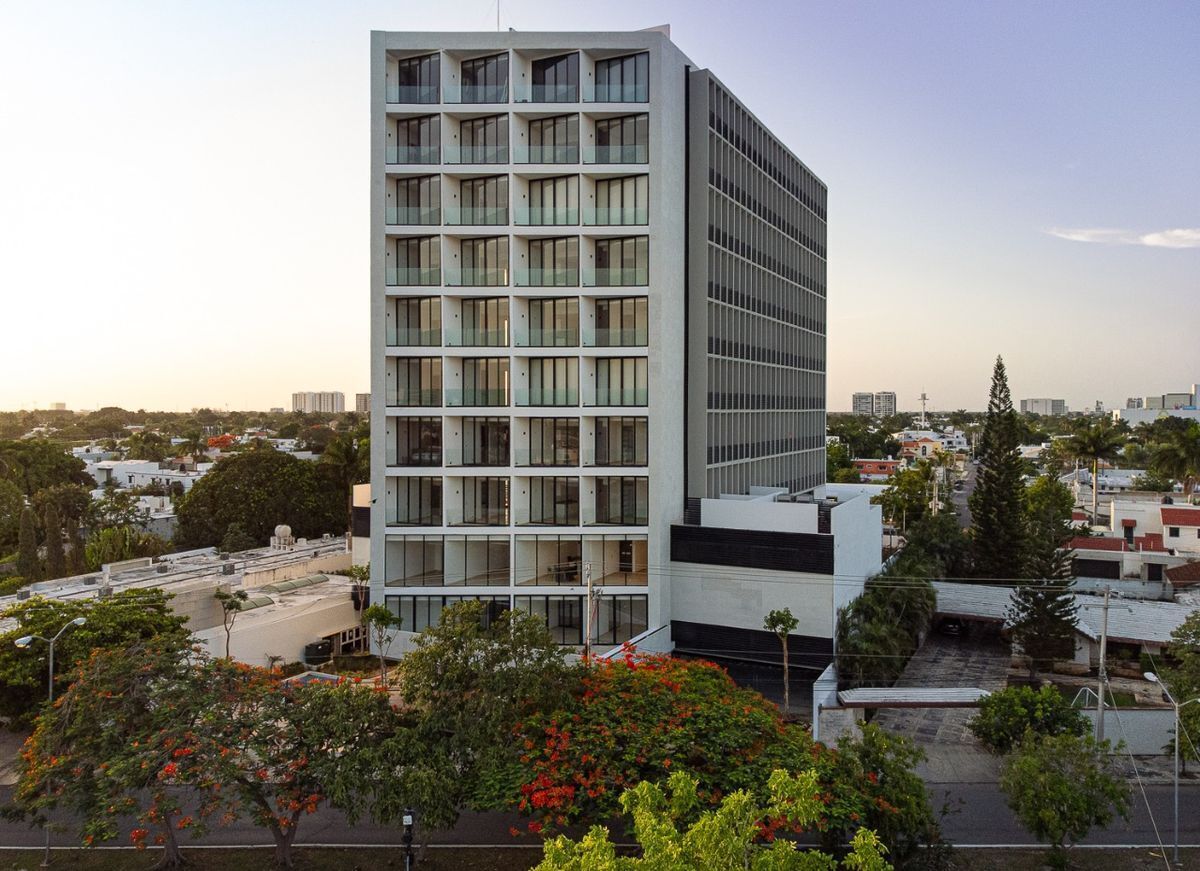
<point>1178,456</point>
<point>1096,442</point>
<point>350,459</point>
<point>195,444</point>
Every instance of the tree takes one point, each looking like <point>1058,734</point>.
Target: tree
<point>12,503</point>
<point>231,606</point>
<point>1060,786</point>
<point>147,445</point>
<point>116,544</point>
<point>196,445</point>
<point>781,622</point>
<point>381,623</point>
<point>236,539</point>
<point>71,501</point>
<point>118,509</point>
<point>75,557</point>
<point>1096,443</point>
<point>882,628</point>
<point>1042,615</point>
<point>998,544</point>
<point>56,558</point>
<point>837,459</point>
<point>1178,456</point>
<point>259,490</point>
<point>1006,715</point>
<point>350,460</point>
<point>35,464</point>
<point>1183,679</point>
<point>29,566</point>
<point>906,500</point>
<point>119,621</point>
<point>726,838</point>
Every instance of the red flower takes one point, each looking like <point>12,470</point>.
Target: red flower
<point>535,826</point>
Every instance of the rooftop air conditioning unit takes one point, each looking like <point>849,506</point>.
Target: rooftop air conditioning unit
<point>22,595</point>
<point>224,554</point>
<point>89,582</point>
<point>162,568</point>
<point>227,569</point>
<point>104,592</point>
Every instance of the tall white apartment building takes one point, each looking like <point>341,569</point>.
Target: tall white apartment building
<point>862,403</point>
<point>1044,406</point>
<point>325,401</point>
<point>884,404</point>
<point>597,297</point>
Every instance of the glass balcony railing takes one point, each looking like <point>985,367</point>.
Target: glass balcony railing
<point>423,94</point>
<point>423,518</point>
<point>545,153</point>
<point>549,338</point>
<point>412,337</point>
<point>415,398</point>
<point>474,154</point>
<point>616,337</point>
<point>420,457</point>
<point>616,457</point>
<point>458,457</point>
<point>616,276</point>
<point>477,397</point>
<point>616,154</point>
<point>412,215</point>
<point>479,516</point>
<point>477,277</point>
<point>548,396</point>
<point>547,277</point>
<point>475,94</point>
<point>412,276</point>
<point>476,216</point>
<point>609,396</point>
<point>546,216</point>
<point>616,217</point>
<point>545,457</point>
<point>471,337</point>
<point>632,516</point>
<point>523,93</point>
<point>632,93</point>
<point>412,154</point>
<point>565,514</point>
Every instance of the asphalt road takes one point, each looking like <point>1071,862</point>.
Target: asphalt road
<point>978,816</point>
<point>960,497</point>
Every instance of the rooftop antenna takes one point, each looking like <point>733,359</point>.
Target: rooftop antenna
<point>924,399</point>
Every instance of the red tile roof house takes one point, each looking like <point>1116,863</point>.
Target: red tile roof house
<point>1144,558</point>
<point>876,470</point>
<point>1181,528</point>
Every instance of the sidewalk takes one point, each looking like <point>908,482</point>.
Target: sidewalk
<point>10,749</point>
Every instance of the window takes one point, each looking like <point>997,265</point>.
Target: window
<point>622,140</point>
<point>554,501</point>
<point>622,381</point>
<point>417,502</point>
<point>563,615</point>
<point>622,262</point>
<point>416,80</point>
<point>420,612</point>
<point>415,381</point>
<point>484,323</point>
<point>485,79</point>
<point>414,322</point>
<point>1154,571</point>
<point>554,323</point>
<point>485,441</point>
<point>414,201</point>
<point>623,79</point>
<point>483,140</point>
<point>620,618</point>
<point>414,262</point>
<point>549,560</point>
<point>484,262</point>
<point>418,441</point>
<point>484,202</point>
<point>485,381</point>
<point>553,441</point>
<point>1173,532</point>
<point>622,201</point>
<point>621,322</point>
<point>415,141</point>
<point>478,560</point>
<point>556,79</point>
<point>553,201</point>
<point>622,441</point>
<point>485,501</point>
<point>623,501</point>
<point>554,262</point>
<point>553,381</point>
<point>414,561</point>
<point>554,140</point>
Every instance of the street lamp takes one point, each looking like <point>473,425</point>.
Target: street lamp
<point>23,643</point>
<point>1153,678</point>
<point>407,838</point>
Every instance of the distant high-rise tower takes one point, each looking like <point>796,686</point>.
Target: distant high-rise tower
<point>325,402</point>
<point>884,404</point>
<point>863,403</point>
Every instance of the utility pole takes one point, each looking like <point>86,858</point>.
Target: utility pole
<point>587,639</point>
<point>1103,677</point>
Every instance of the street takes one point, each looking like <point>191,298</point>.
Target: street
<point>960,497</point>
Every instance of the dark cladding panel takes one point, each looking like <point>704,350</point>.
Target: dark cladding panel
<point>726,642</point>
<point>753,549</point>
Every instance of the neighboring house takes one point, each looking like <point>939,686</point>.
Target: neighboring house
<point>876,470</point>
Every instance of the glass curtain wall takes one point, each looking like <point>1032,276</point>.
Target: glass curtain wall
<point>622,441</point>
<point>554,381</point>
<point>485,79</point>
<point>553,201</point>
<point>416,80</point>
<point>484,201</point>
<point>623,79</point>
<point>554,262</point>
<point>622,140</point>
<point>418,441</point>
<point>553,441</point>
<point>622,201</point>
<point>622,381</point>
<point>622,322</point>
<point>485,441</point>
<point>554,323</point>
<point>554,140</point>
<point>416,141</point>
<point>416,381</point>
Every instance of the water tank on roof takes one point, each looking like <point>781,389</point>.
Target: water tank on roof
<point>283,531</point>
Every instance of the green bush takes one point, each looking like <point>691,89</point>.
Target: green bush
<point>1005,716</point>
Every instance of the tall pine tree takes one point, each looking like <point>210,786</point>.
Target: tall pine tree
<point>75,564</point>
<point>56,558</point>
<point>28,565</point>
<point>999,539</point>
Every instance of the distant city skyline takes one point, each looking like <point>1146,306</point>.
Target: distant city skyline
<point>1014,179</point>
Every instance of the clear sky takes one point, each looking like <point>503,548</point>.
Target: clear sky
<point>184,188</point>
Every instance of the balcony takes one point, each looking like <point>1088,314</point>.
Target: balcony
<point>553,458</point>
<point>563,514</point>
<point>548,397</point>
<point>430,397</point>
<point>545,216</point>
<point>412,276</point>
<point>460,457</point>
<point>477,277</point>
<point>422,518</point>
<point>419,94</point>
<point>545,154</point>
<point>476,216</point>
<point>616,276</point>
<point>616,337</point>
<point>616,217</point>
<point>414,458</point>
<point>474,337</point>
<point>475,94</point>
<point>477,397</point>
<point>633,93</point>
<point>524,93</point>
<point>620,396</point>
<point>482,516</point>
<point>547,277</point>
<point>548,338</point>
<point>412,337</point>
<point>417,155</point>
<point>615,457</point>
<point>465,155</point>
<point>616,154</point>
<point>418,216</point>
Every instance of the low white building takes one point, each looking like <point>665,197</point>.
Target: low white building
<point>144,473</point>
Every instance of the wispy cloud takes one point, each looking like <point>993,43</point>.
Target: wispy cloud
<point>1178,238</point>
